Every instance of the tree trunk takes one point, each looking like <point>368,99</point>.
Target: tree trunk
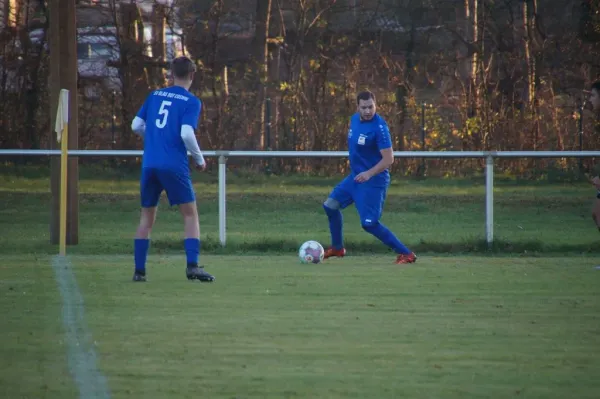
<point>529,11</point>
<point>134,78</point>
<point>261,57</point>
<point>158,44</point>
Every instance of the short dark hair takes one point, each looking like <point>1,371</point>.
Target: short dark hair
<point>182,67</point>
<point>365,96</point>
<point>596,86</point>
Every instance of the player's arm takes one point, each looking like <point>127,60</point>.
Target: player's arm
<point>138,125</point>
<point>387,159</point>
<point>189,123</point>
<point>191,144</point>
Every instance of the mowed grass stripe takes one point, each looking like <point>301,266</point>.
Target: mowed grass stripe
<point>359,327</point>
<point>33,347</point>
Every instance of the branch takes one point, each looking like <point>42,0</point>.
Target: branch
<point>318,16</point>
<point>471,47</point>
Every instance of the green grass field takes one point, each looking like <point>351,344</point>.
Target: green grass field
<point>448,327</point>
<point>522,320</point>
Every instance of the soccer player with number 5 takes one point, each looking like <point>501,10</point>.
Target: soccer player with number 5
<point>166,122</point>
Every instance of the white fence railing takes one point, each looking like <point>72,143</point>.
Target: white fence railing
<point>223,155</point>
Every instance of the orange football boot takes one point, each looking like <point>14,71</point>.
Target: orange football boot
<point>404,259</point>
<point>330,252</point>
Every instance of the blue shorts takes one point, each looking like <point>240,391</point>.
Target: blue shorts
<point>177,185</point>
<point>369,199</point>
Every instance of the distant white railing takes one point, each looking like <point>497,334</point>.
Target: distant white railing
<point>223,155</point>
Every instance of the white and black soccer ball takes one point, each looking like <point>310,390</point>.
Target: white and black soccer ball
<point>311,252</point>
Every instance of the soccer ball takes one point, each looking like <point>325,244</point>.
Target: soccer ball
<point>311,252</point>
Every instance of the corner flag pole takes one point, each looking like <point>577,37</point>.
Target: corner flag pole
<point>62,135</point>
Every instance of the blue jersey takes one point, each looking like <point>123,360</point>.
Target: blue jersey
<point>165,111</point>
<point>366,139</point>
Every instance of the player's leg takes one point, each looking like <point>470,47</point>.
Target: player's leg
<point>340,198</point>
<point>596,213</point>
<point>181,193</point>
<point>369,204</point>
<point>150,190</point>
<point>191,232</point>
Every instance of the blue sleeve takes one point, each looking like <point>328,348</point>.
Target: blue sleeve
<point>192,113</point>
<point>384,139</point>
<point>143,112</point>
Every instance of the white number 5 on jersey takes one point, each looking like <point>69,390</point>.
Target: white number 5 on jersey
<point>160,123</point>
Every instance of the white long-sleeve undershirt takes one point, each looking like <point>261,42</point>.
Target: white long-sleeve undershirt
<point>138,126</point>
<point>191,144</point>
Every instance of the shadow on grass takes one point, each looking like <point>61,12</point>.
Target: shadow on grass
<point>480,247</point>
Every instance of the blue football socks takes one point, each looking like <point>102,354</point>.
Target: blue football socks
<point>387,237</point>
<point>192,250</point>
<point>335,227</point>
<point>140,252</point>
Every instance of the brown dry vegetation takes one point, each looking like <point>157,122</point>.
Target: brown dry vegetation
<point>283,74</point>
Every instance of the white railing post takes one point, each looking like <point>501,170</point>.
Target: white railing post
<point>222,199</point>
<point>489,200</point>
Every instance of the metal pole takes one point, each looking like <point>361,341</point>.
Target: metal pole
<point>423,126</point>
<point>489,200</point>
<point>222,199</point>
<point>581,136</point>
<point>268,123</point>
<point>423,132</point>
<point>113,120</point>
<point>268,132</point>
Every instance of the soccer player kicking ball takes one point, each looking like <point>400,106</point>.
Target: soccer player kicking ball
<point>166,121</point>
<point>371,155</point>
